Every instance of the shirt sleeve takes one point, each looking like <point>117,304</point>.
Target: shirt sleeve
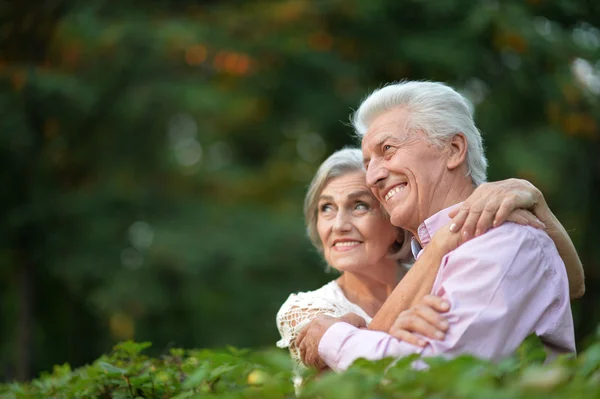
<point>343,343</point>
<point>498,292</point>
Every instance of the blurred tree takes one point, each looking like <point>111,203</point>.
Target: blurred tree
<point>155,158</point>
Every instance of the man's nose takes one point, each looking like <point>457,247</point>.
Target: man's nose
<point>376,173</point>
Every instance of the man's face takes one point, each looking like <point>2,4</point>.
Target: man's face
<point>403,169</point>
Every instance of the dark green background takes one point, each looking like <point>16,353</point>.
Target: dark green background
<point>154,155</point>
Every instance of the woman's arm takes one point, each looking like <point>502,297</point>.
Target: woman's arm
<point>491,203</point>
<point>565,248</point>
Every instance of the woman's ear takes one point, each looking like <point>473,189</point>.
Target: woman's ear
<point>457,151</point>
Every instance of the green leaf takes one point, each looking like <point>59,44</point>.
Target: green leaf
<point>111,369</point>
<point>196,378</point>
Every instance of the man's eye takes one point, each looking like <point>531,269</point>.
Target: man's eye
<point>387,147</point>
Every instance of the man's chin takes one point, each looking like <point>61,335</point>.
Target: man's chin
<point>398,218</point>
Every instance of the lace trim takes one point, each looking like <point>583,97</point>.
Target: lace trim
<point>300,309</point>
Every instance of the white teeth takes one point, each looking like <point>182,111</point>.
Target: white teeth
<point>394,191</point>
<point>345,243</point>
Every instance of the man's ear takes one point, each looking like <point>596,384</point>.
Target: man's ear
<point>457,151</point>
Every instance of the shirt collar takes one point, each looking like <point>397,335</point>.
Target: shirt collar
<point>429,227</point>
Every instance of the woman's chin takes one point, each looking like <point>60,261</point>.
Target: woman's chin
<point>348,266</point>
<point>342,267</point>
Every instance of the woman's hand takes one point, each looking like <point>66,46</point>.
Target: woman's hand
<point>491,204</point>
<point>310,336</point>
<point>424,319</point>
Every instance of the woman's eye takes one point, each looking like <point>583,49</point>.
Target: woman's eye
<point>361,206</point>
<point>387,147</point>
<point>325,208</point>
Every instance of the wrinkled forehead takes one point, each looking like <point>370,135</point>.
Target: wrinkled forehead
<point>351,183</point>
<point>373,141</point>
<point>390,125</point>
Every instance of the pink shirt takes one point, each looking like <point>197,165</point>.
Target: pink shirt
<point>502,287</point>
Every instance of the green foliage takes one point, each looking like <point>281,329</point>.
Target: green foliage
<point>232,373</point>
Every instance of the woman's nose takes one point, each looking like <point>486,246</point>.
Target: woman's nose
<point>342,222</point>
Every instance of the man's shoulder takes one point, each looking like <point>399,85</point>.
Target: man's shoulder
<point>513,233</point>
<point>510,240</point>
<point>512,253</point>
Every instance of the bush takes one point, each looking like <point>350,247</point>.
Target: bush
<point>234,373</point>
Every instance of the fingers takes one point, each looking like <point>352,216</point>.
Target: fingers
<point>460,215</point>
<point>435,302</point>
<point>354,319</point>
<point>300,336</point>
<point>476,218</point>
<point>436,320</point>
<point>307,355</point>
<point>408,337</point>
<point>423,320</point>
<point>313,360</point>
<point>431,312</point>
<point>412,324</point>
<point>486,219</point>
<point>299,344</point>
<point>525,218</point>
<point>491,203</point>
<point>471,220</point>
<point>510,204</point>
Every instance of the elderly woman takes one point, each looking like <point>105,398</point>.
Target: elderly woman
<point>350,228</point>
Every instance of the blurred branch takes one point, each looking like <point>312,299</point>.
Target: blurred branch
<point>27,31</point>
<point>123,79</point>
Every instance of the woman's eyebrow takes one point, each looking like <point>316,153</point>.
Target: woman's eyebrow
<point>361,193</point>
<point>352,195</point>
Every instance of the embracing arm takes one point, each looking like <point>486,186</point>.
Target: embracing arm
<point>565,248</point>
<point>491,203</point>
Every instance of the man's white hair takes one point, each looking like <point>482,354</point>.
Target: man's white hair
<point>434,108</point>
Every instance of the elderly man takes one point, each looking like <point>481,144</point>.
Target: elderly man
<point>424,156</point>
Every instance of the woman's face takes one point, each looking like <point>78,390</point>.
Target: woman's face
<point>354,232</point>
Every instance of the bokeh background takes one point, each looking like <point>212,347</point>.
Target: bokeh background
<point>154,155</point>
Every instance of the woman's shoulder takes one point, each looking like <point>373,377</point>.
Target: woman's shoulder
<point>300,308</point>
<point>319,297</point>
<point>328,299</point>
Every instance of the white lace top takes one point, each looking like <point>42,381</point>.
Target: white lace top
<point>299,309</point>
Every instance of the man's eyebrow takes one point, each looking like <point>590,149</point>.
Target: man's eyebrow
<point>384,139</point>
